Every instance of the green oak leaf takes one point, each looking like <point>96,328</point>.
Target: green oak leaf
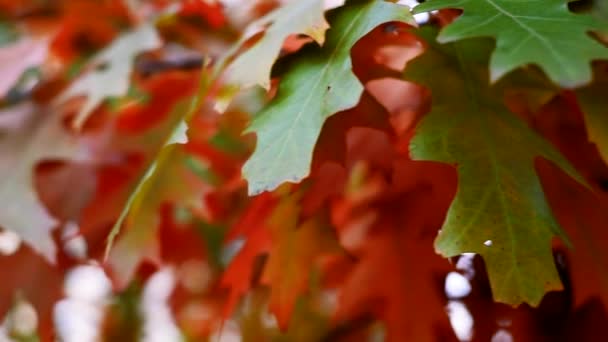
<point>500,210</point>
<point>319,83</point>
<point>538,32</point>
<point>594,103</point>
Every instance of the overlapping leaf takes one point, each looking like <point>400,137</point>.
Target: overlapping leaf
<point>388,274</point>
<point>500,210</point>
<point>179,172</point>
<point>171,180</point>
<point>30,135</point>
<point>295,250</point>
<point>23,275</point>
<point>583,215</point>
<point>8,33</point>
<point>287,129</point>
<point>544,33</point>
<point>238,275</point>
<point>85,26</point>
<point>112,70</point>
<point>297,17</point>
<point>176,103</point>
<point>599,9</point>
<point>142,129</point>
<point>307,323</point>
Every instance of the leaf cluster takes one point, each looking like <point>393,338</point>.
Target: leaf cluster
<point>331,168</point>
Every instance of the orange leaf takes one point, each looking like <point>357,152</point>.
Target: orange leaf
<point>389,227</point>
<point>295,251</point>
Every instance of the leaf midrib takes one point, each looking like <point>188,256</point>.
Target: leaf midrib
<point>514,18</point>
<point>490,146</point>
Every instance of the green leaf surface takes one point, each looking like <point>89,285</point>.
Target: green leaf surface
<point>297,17</point>
<point>500,210</point>
<point>593,100</point>
<point>319,83</point>
<point>541,32</point>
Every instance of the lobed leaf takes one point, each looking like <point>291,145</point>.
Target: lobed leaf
<point>112,70</point>
<point>319,83</point>
<point>297,17</point>
<point>544,33</point>
<point>170,180</point>
<point>238,276</point>
<point>500,210</point>
<point>29,136</point>
<point>18,57</point>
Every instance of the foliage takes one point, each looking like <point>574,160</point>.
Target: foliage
<point>112,67</point>
<point>498,187</point>
<point>545,33</point>
<point>288,127</point>
<point>36,136</point>
<point>283,171</point>
<point>302,17</point>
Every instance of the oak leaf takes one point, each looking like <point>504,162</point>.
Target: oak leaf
<point>500,210</point>
<point>238,276</point>
<point>137,136</point>
<point>31,135</point>
<point>111,72</point>
<point>288,128</point>
<point>387,222</point>
<point>544,33</point>
<point>27,276</point>
<point>18,57</point>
